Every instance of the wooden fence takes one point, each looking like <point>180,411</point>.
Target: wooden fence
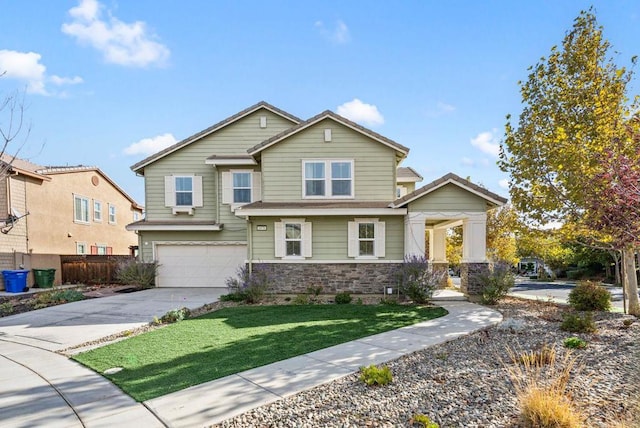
<point>89,269</point>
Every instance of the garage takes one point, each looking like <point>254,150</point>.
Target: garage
<point>189,265</point>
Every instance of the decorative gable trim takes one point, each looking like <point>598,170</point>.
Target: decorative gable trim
<point>336,118</point>
<point>139,167</point>
<point>450,178</point>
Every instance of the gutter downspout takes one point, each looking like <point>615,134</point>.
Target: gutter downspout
<point>250,243</point>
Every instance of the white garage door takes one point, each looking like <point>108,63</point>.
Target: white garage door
<point>198,265</point>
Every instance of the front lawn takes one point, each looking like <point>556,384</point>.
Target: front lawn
<point>232,340</point>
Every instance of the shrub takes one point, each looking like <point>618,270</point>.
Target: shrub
<point>175,315</point>
<point>627,322</point>
<point>423,421</point>
<point>237,296</point>
<point>416,280</point>
<point>343,298</point>
<point>590,296</point>
<point>137,273</point>
<point>301,299</point>
<point>49,298</point>
<point>574,343</point>
<point>540,357</point>
<point>497,283</point>
<point>249,287</point>
<point>541,391</point>
<point>374,375</point>
<point>578,323</point>
<point>6,308</point>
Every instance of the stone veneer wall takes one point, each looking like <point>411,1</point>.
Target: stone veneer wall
<point>361,278</point>
<point>442,267</point>
<point>470,274</point>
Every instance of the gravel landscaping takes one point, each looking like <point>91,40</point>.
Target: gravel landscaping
<point>465,382</point>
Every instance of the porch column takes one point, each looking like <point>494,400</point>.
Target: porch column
<point>438,253</point>
<point>474,253</point>
<point>414,234</point>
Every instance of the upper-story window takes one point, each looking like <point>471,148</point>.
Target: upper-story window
<point>97,211</point>
<point>184,191</point>
<point>328,179</point>
<point>80,209</point>
<point>241,187</point>
<point>112,214</point>
<point>136,216</point>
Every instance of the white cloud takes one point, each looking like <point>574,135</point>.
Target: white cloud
<point>149,146</point>
<point>26,66</point>
<point>467,161</point>
<point>487,142</point>
<point>360,112</point>
<point>338,34</point>
<point>504,183</point>
<point>119,42</point>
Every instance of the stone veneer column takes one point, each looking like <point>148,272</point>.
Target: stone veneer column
<point>442,267</point>
<point>470,278</point>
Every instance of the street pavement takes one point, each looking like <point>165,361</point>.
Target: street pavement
<point>557,291</point>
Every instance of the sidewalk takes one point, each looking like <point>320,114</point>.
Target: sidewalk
<point>39,387</point>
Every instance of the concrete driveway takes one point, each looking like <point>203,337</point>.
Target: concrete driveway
<point>56,328</point>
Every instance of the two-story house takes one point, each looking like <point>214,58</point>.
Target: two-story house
<point>321,201</point>
<point>53,211</point>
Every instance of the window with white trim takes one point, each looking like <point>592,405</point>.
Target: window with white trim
<point>81,248</point>
<point>293,238</point>
<point>112,214</point>
<point>366,238</point>
<point>80,209</point>
<point>241,187</point>
<point>97,211</point>
<point>136,216</point>
<point>328,179</point>
<point>183,192</point>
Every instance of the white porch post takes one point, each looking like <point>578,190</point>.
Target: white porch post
<point>474,239</point>
<point>438,246</point>
<point>414,234</point>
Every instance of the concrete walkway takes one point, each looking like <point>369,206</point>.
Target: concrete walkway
<point>39,387</point>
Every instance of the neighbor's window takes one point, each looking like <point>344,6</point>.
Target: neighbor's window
<point>81,209</point>
<point>81,248</point>
<point>241,187</point>
<point>184,191</point>
<point>366,239</point>
<point>328,179</point>
<point>112,213</point>
<point>97,211</point>
<point>136,216</point>
<point>293,239</point>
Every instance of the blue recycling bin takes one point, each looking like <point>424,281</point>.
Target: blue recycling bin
<point>15,281</point>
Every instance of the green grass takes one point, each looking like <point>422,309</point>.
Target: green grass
<point>232,340</point>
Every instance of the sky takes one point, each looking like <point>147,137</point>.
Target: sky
<point>107,83</point>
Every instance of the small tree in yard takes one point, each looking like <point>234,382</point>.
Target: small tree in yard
<point>417,280</point>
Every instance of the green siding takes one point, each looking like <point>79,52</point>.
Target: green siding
<point>374,163</point>
<point>146,251</point>
<point>233,139</point>
<point>449,198</point>
<point>329,238</point>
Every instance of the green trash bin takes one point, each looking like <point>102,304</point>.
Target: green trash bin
<point>44,277</point>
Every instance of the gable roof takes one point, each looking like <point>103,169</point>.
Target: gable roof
<point>22,166</point>
<point>328,114</point>
<point>231,119</point>
<point>407,174</point>
<point>53,170</point>
<point>456,180</point>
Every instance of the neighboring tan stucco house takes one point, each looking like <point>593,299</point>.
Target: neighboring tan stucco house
<point>61,211</point>
<point>315,202</point>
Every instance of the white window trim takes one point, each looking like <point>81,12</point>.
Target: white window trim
<point>78,246</point>
<point>81,198</point>
<point>97,219</point>
<point>115,214</point>
<point>170,193</point>
<point>98,246</point>
<point>305,241</point>
<point>227,187</point>
<point>379,242</point>
<point>328,178</point>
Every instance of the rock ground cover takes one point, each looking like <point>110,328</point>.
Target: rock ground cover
<point>465,383</point>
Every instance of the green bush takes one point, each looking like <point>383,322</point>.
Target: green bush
<point>301,299</point>
<point>424,421</point>
<point>497,283</point>
<point>343,298</point>
<point>49,298</point>
<point>132,272</point>
<point>574,343</point>
<point>576,274</point>
<point>416,280</point>
<point>175,315</point>
<point>374,375</point>
<point>578,323</point>
<point>6,308</point>
<point>590,296</point>
<point>249,286</point>
<point>236,296</point>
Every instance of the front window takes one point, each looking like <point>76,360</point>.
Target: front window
<point>112,213</point>
<point>81,209</point>
<point>329,179</point>
<point>366,239</point>
<point>184,191</point>
<point>241,187</point>
<point>293,239</point>
<point>97,211</point>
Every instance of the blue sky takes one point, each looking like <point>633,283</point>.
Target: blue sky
<point>108,82</point>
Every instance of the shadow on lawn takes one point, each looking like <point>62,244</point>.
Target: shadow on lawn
<point>213,362</point>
